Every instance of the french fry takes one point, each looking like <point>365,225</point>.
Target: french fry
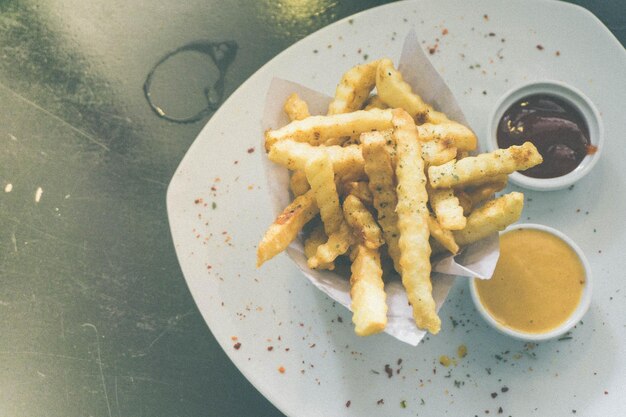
<point>492,217</point>
<point>338,243</point>
<point>451,133</point>
<point>354,88</point>
<point>359,189</point>
<point>315,130</point>
<point>286,227</point>
<point>447,208</point>
<point>347,160</point>
<point>469,170</point>
<point>362,222</point>
<point>316,238</point>
<point>395,92</point>
<point>296,108</point>
<point>298,183</point>
<point>390,144</point>
<point>437,152</point>
<point>443,236</point>
<point>413,223</point>
<point>369,307</point>
<point>319,173</point>
<point>380,172</point>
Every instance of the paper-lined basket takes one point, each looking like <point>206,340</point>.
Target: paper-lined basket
<point>476,260</point>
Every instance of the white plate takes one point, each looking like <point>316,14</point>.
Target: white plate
<point>325,365</point>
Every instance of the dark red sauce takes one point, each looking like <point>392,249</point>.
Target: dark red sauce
<point>554,126</point>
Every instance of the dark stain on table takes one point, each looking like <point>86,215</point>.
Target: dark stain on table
<point>222,55</point>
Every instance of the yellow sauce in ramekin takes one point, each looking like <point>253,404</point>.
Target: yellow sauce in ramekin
<point>537,284</point>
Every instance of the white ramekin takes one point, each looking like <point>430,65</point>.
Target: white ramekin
<point>579,101</point>
<point>571,321</point>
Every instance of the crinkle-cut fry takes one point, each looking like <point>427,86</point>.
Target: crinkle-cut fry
<point>359,189</point>
<point>395,92</point>
<point>315,130</point>
<point>441,235</point>
<point>296,108</point>
<point>381,183</point>
<point>350,95</point>
<point>413,223</point>
<point>369,301</point>
<point>493,216</point>
<point>447,208</point>
<point>450,133</point>
<point>286,226</point>
<point>347,160</point>
<point>316,238</point>
<point>319,172</point>
<point>338,243</point>
<point>473,168</point>
<point>390,145</point>
<point>374,102</point>
<point>487,179</point>
<point>362,222</point>
<point>436,152</point>
<point>354,88</point>
<point>298,183</point>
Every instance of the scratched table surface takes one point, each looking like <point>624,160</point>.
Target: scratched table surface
<point>95,316</point>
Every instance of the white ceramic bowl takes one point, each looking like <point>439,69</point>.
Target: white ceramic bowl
<point>571,321</point>
<point>579,101</point>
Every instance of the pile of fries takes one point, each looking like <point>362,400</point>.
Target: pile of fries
<point>388,175</point>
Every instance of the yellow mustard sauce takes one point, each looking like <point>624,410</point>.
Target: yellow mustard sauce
<point>537,284</point>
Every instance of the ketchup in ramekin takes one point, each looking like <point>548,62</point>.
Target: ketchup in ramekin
<point>560,120</point>
<point>554,126</point>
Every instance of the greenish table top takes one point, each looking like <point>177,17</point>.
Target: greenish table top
<point>95,316</point>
